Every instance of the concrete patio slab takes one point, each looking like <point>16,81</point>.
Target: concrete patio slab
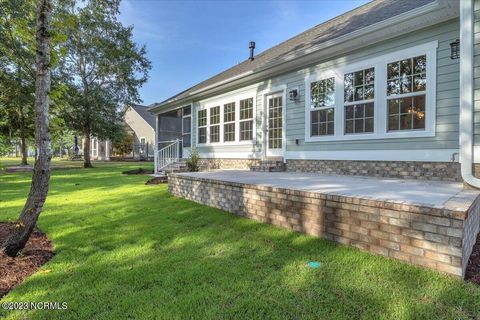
<point>438,194</point>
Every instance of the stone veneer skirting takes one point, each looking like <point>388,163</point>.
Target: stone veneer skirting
<point>443,171</point>
<point>223,163</point>
<point>436,238</point>
<point>440,171</point>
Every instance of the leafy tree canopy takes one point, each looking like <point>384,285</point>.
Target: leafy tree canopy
<point>103,68</point>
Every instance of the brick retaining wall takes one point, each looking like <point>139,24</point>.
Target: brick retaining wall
<point>431,237</point>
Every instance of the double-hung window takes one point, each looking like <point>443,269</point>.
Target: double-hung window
<point>229,122</point>
<point>246,119</point>
<point>359,94</point>
<point>215,124</point>
<point>406,92</point>
<point>322,104</point>
<point>202,126</point>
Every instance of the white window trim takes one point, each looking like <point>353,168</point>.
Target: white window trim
<point>380,102</point>
<point>221,101</point>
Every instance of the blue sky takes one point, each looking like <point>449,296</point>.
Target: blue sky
<point>190,41</point>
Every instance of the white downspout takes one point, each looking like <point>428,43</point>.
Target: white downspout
<point>466,93</point>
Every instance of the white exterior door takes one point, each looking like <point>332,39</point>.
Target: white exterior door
<point>274,125</point>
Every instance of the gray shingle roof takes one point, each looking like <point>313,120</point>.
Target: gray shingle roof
<point>361,17</point>
<point>145,114</point>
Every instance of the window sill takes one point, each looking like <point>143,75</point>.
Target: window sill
<point>373,136</point>
<point>229,144</point>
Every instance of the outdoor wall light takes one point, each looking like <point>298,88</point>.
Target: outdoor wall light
<point>455,49</point>
<point>293,94</point>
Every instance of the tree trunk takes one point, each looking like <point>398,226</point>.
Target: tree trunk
<point>23,143</point>
<point>87,163</point>
<point>41,172</point>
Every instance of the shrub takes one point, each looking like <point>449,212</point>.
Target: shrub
<point>193,161</point>
<point>123,144</point>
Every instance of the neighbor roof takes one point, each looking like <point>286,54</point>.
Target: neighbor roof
<point>143,112</point>
<point>361,17</point>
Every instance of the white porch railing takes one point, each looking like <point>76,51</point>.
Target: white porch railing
<point>168,155</point>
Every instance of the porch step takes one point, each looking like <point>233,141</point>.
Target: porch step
<point>176,167</point>
<point>269,165</point>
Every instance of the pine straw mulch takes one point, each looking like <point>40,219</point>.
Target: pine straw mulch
<point>473,269</point>
<point>157,180</point>
<point>35,254</point>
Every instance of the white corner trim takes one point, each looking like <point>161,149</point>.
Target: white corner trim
<point>434,155</point>
<point>380,101</point>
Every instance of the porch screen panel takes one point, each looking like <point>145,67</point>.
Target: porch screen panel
<point>169,127</point>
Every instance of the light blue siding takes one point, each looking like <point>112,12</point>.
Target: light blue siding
<point>476,65</point>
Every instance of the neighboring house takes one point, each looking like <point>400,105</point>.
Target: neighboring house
<point>375,90</point>
<point>141,126</point>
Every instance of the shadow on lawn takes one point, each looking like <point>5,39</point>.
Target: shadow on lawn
<point>145,254</point>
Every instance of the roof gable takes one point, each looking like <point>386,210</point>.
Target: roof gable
<point>145,114</point>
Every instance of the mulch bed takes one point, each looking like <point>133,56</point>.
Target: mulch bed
<point>157,180</point>
<point>138,171</point>
<point>35,254</point>
<point>473,269</point>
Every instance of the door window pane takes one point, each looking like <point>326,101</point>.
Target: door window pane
<point>275,123</point>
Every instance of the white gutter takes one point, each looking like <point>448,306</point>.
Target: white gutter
<point>466,93</point>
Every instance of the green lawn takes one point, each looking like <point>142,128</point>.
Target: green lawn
<point>56,162</point>
<point>130,251</point>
